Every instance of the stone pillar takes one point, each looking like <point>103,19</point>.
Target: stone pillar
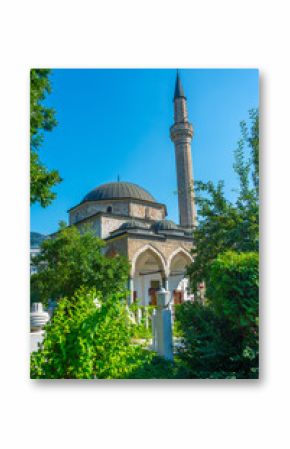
<point>139,315</point>
<point>146,317</point>
<point>165,283</point>
<point>131,289</point>
<point>162,326</point>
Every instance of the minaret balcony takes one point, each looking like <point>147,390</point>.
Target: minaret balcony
<point>181,132</point>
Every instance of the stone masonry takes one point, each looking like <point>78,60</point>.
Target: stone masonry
<point>181,134</point>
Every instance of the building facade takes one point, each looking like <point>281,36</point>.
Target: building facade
<point>134,224</point>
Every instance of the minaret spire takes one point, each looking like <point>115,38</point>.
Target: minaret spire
<point>178,87</point>
<point>181,133</point>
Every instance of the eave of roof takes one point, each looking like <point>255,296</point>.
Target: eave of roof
<point>148,236</point>
<point>112,215</point>
<point>133,200</point>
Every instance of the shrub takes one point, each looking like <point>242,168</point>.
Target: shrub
<point>221,337</point>
<point>83,341</point>
<point>233,288</point>
<point>142,329</point>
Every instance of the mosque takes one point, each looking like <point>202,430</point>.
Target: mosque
<point>135,225</point>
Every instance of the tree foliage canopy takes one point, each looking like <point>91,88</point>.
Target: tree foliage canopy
<point>221,333</point>
<point>221,337</point>
<point>70,260</point>
<point>223,225</point>
<point>42,119</point>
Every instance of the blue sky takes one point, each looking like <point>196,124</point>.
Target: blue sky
<point>116,122</point>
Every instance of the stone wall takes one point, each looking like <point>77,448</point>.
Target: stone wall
<point>127,208</point>
<point>147,212</point>
<point>109,224</point>
<point>185,184</point>
<point>181,134</point>
<point>94,223</point>
<point>118,246</point>
<point>120,207</point>
<point>90,208</point>
<point>166,248</point>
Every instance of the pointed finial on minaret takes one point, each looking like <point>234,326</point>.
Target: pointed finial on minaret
<point>178,93</point>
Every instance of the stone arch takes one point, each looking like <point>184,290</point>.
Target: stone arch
<point>148,268</point>
<point>178,281</point>
<point>148,249</point>
<point>178,252</point>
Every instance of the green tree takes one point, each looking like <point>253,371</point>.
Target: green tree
<point>42,119</point>
<point>224,225</point>
<point>221,337</point>
<point>70,260</point>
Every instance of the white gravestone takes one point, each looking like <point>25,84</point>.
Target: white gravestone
<point>162,326</point>
<point>38,317</point>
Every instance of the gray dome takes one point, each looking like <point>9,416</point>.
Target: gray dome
<point>117,190</point>
<point>165,225</point>
<point>133,225</point>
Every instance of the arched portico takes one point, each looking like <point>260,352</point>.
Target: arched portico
<point>148,272</point>
<point>178,282</point>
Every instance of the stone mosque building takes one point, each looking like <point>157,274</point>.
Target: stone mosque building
<point>134,224</point>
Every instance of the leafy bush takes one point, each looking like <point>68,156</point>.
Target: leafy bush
<point>233,287</point>
<point>83,341</point>
<point>142,329</point>
<point>176,328</point>
<point>156,368</point>
<point>221,337</point>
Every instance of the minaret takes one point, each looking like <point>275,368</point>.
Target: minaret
<point>181,134</point>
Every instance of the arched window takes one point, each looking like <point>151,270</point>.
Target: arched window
<point>109,209</point>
